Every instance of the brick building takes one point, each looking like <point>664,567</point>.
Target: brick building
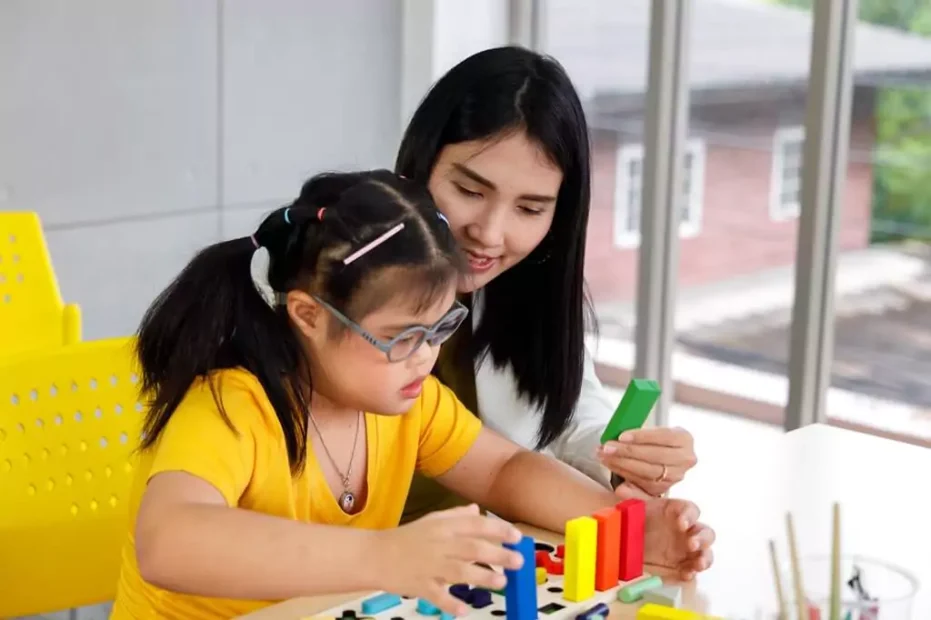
<point>748,69</point>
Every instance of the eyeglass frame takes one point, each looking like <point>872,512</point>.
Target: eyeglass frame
<point>385,346</point>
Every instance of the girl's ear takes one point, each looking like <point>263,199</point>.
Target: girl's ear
<point>306,313</point>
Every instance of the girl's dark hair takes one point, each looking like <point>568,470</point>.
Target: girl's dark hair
<point>537,310</point>
<point>214,317</point>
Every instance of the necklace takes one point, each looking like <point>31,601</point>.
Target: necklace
<point>347,499</point>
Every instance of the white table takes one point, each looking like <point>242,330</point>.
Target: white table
<point>746,489</point>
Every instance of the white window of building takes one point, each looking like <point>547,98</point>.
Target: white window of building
<point>786,179</point>
<point>628,193</point>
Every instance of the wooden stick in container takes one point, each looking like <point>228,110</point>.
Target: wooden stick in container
<point>777,577</point>
<point>801,604</point>
<point>835,566</point>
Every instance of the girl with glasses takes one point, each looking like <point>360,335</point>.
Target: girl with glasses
<point>282,435</point>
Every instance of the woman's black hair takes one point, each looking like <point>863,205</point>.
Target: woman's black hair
<point>535,313</point>
<point>213,316</point>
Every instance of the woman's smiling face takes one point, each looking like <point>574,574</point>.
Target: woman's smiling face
<point>499,196</point>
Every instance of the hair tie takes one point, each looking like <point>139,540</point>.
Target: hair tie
<point>320,213</point>
<point>287,218</point>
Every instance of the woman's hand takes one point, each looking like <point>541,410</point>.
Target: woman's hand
<point>673,537</point>
<point>424,556</point>
<point>652,459</point>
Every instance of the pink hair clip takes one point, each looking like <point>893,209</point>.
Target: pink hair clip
<point>373,244</point>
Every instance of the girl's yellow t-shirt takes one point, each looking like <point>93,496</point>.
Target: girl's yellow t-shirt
<point>249,466</point>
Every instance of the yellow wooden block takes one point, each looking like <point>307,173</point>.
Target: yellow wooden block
<point>581,551</point>
<point>652,611</point>
<point>541,575</point>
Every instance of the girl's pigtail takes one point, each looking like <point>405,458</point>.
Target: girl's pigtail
<point>213,316</point>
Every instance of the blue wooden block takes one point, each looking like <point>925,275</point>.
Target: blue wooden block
<point>598,611</point>
<point>426,608</point>
<point>379,603</point>
<point>445,616</point>
<point>520,593</point>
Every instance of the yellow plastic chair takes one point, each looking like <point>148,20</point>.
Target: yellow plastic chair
<point>70,420</point>
<point>32,313</point>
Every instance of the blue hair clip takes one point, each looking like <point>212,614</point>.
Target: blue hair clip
<point>442,217</point>
<point>287,220</point>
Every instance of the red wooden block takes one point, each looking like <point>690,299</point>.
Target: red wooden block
<point>542,559</point>
<point>608,558</point>
<point>633,516</point>
<point>556,567</point>
<point>560,551</point>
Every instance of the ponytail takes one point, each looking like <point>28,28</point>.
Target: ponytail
<point>212,316</point>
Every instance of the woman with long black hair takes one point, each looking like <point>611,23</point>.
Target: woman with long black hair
<point>502,143</point>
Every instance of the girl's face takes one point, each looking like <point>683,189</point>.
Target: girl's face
<point>351,372</point>
<point>499,196</point>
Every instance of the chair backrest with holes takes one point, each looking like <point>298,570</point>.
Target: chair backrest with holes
<point>32,314</point>
<point>70,420</point>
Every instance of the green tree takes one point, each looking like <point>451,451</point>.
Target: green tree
<point>899,14</point>
<point>902,159</point>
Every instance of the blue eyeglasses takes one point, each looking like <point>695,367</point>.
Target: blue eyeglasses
<point>408,341</point>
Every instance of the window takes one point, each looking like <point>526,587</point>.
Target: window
<point>786,182</point>
<point>628,192</point>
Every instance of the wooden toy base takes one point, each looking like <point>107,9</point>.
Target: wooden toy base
<point>550,604</point>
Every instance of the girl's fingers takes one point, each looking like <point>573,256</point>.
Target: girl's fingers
<point>439,595</point>
<point>686,514</point>
<point>486,552</point>
<point>478,576</point>
<point>702,535</point>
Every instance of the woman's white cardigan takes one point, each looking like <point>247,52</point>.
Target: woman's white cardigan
<point>505,412</point>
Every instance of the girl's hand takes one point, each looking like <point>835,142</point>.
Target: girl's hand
<point>673,537</point>
<point>423,557</point>
<point>652,459</point>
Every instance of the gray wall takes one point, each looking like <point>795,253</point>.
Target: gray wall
<point>141,130</point>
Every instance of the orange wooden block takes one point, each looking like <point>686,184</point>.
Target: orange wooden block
<point>608,558</point>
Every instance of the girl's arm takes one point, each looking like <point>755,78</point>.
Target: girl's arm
<point>524,486</point>
<point>189,540</point>
<point>529,487</point>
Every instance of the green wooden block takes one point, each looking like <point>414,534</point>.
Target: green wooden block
<point>634,408</point>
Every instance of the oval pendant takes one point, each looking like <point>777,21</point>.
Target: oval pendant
<point>346,501</point>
